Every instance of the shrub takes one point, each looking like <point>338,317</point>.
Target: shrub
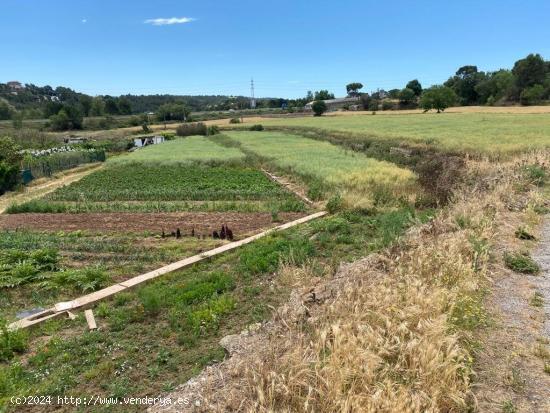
<point>11,342</point>
<point>257,128</point>
<point>387,105</point>
<point>319,107</point>
<point>235,120</point>
<point>213,130</point>
<point>9,164</point>
<point>535,173</point>
<point>532,95</point>
<point>439,176</point>
<point>85,280</point>
<point>521,262</point>
<point>151,299</point>
<point>334,204</point>
<point>190,129</point>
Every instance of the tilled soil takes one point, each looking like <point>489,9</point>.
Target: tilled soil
<point>203,223</point>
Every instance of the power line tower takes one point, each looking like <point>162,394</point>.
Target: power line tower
<point>252,98</point>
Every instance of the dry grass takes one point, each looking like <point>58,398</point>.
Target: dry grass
<point>397,335</point>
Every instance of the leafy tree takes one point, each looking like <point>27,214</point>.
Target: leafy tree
<point>319,107</point>
<point>98,107</point>
<point>532,95</point>
<point>85,104</point>
<point>173,111</point>
<point>437,97</point>
<point>17,120</point>
<point>353,88</point>
<point>530,71</point>
<point>407,96</point>
<point>124,106</point>
<point>111,107</point>
<point>52,108</point>
<point>497,84</point>
<point>415,86</point>
<point>365,101</point>
<point>464,84</point>
<point>323,95</point>
<point>10,160</point>
<point>6,111</point>
<point>67,118</point>
<point>394,93</point>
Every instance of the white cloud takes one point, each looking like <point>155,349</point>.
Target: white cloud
<point>84,21</point>
<point>171,20</point>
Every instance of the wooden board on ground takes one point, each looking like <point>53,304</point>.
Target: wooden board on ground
<point>90,299</point>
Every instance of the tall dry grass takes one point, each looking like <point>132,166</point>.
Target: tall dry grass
<point>397,335</point>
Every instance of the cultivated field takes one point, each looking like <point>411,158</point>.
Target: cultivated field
<point>490,133</point>
<point>362,181</point>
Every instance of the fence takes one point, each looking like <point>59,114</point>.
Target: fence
<point>47,165</point>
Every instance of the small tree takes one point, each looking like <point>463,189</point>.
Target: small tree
<point>532,95</point>
<point>353,88</point>
<point>319,107</point>
<point>437,97</point>
<point>323,95</point>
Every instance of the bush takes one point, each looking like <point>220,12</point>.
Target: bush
<point>10,159</point>
<point>234,120</point>
<point>257,128</point>
<point>11,342</point>
<point>387,105</point>
<point>212,130</point>
<point>532,95</point>
<point>191,129</point>
<point>521,262</point>
<point>439,176</point>
<point>319,107</point>
<point>151,300</point>
<point>334,204</point>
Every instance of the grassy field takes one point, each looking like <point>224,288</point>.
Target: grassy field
<point>485,133</point>
<point>191,149</point>
<point>362,181</point>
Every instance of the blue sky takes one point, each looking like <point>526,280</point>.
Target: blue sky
<point>288,46</point>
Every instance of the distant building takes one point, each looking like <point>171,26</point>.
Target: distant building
<point>334,104</point>
<point>141,141</point>
<point>15,85</point>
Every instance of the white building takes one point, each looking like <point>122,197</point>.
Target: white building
<point>141,141</point>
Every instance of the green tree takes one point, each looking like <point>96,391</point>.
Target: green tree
<point>173,111</point>
<point>17,120</point>
<point>111,107</point>
<point>85,102</point>
<point>532,95</point>
<point>353,88</point>
<point>530,71</point>
<point>415,86</point>
<point>67,118</point>
<point>98,107</point>
<point>464,84</point>
<point>497,84</point>
<point>6,111</point>
<point>124,106</point>
<point>319,107</point>
<point>10,160</point>
<point>437,97</point>
<point>407,96</point>
<point>323,95</point>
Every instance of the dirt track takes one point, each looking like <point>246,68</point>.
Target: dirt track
<point>202,222</point>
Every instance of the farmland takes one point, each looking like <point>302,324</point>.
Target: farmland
<point>363,181</point>
<point>471,132</point>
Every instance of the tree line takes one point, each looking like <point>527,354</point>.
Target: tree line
<point>527,83</point>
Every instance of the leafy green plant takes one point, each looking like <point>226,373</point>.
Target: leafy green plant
<point>335,204</point>
<point>234,120</point>
<point>151,300</point>
<point>256,128</point>
<point>535,173</point>
<point>537,300</point>
<point>11,342</point>
<point>521,262</point>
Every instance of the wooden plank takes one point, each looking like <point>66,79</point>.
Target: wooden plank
<point>90,299</point>
<point>90,319</point>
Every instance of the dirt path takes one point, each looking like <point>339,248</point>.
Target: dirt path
<point>50,185</point>
<point>516,347</point>
<point>542,282</point>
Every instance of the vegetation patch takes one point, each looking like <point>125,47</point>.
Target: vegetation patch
<point>521,262</point>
